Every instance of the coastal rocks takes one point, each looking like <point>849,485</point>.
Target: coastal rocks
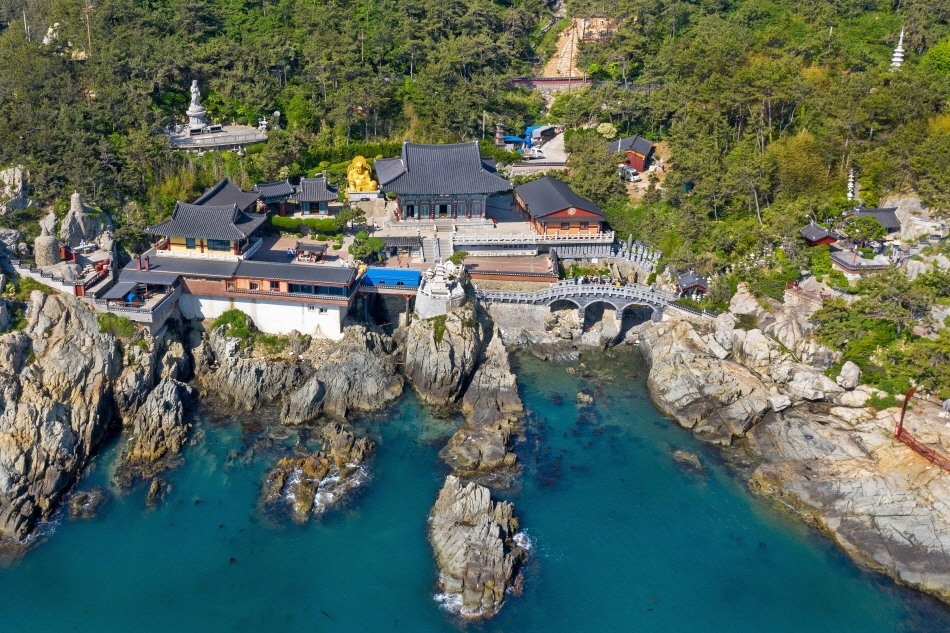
<point>744,302</point>
<point>440,354</point>
<point>717,399</point>
<point>156,492</point>
<point>754,350</point>
<point>476,550</point>
<point>9,239</point>
<point>86,504</point>
<point>492,411</point>
<point>56,411</point>
<point>850,376</point>
<point>225,368</point>
<point>358,375</point>
<point>14,190</point>
<point>159,432</point>
<point>884,504</point>
<point>314,483</point>
<point>688,460</point>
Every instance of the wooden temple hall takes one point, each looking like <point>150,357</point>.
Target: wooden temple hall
<point>433,182</point>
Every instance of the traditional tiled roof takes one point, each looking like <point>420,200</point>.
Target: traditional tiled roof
<point>315,190</point>
<point>302,273</point>
<point>438,170</point>
<point>886,217</point>
<point>403,241</point>
<point>209,222</point>
<point>691,279</point>
<point>636,144</point>
<point>187,266</point>
<point>311,247</point>
<point>855,262</point>
<point>272,190</point>
<point>814,232</point>
<point>226,193</point>
<point>547,195</point>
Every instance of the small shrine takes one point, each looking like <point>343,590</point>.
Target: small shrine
<point>200,135</point>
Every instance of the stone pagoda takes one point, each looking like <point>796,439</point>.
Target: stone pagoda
<point>898,57</point>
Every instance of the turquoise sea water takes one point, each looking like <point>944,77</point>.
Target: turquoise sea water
<point>623,538</point>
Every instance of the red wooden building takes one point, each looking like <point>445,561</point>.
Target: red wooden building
<point>639,151</point>
<point>554,209</point>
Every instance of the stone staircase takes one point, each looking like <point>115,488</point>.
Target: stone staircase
<point>430,250</point>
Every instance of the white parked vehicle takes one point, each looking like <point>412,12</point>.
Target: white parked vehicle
<point>628,173</point>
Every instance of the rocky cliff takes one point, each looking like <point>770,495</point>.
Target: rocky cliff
<point>56,409</point>
<point>492,409</point>
<point>816,447</point>
<point>475,542</point>
<point>440,354</point>
<point>313,483</point>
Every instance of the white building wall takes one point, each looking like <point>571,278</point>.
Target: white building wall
<point>270,316</point>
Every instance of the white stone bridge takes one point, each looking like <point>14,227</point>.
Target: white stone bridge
<point>584,295</point>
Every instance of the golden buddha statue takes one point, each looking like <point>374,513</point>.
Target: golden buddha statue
<point>359,176</point>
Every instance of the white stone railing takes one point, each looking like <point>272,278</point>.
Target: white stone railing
<point>461,239</point>
<point>566,289</point>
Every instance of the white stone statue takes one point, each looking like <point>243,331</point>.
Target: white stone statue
<point>195,95</point>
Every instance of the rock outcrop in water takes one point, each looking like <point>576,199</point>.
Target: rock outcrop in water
<point>315,482</point>
<point>476,549</point>
<point>159,432</point>
<point>816,447</point>
<point>492,411</point>
<point>441,353</point>
<point>54,411</point>
<point>358,375</point>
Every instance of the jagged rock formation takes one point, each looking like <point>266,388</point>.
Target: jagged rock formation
<point>14,190</point>
<point>9,239</point>
<point>842,470</point>
<point>441,353</point>
<point>159,432</point>
<point>78,226</point>
<point>55,411</point>
<point>46,246</point>
<point>718,399</point>
<point>358,375</point>
<point>817,448</point>
<point>227,369</point>
<point>476,549</point>
<point>492,411</point>
<point>314,483</point>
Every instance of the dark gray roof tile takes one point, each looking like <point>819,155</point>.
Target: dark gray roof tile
<point>814,232</point>
<point>547,195</point>
<point>226,193</point>
<point>303,273</point>
<point>439,170</point>
<point>636,144</point>
<point>315,190</point>
<point>187,266</point>
<point>209,222</point>
<point>886,217</point>
<point>274,190</point>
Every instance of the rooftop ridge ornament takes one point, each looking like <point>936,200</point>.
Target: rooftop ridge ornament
<point>898,57</point>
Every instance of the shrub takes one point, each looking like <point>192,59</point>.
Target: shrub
<point>237,324</point>
<point>438,327</point>
<point>458,257</point>
<point>118,326</point>
<point>878,402</point>
<point>271,343</point>
<point>746,322</point>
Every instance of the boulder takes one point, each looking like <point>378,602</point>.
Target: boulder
<point>744,302</point>
<point>9,239</point>
<point>14,190</point>
<point>86,504</point>
<point>475,542</point>
<point>850,376</point>
<point>440,354</point>
<point>78,226</point>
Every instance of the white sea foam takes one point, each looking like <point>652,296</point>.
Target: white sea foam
<point>523,541</point>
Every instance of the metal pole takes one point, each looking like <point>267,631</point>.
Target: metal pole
<point>900,423</point>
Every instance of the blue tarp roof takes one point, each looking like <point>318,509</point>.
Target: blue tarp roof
<point>391,277</point>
